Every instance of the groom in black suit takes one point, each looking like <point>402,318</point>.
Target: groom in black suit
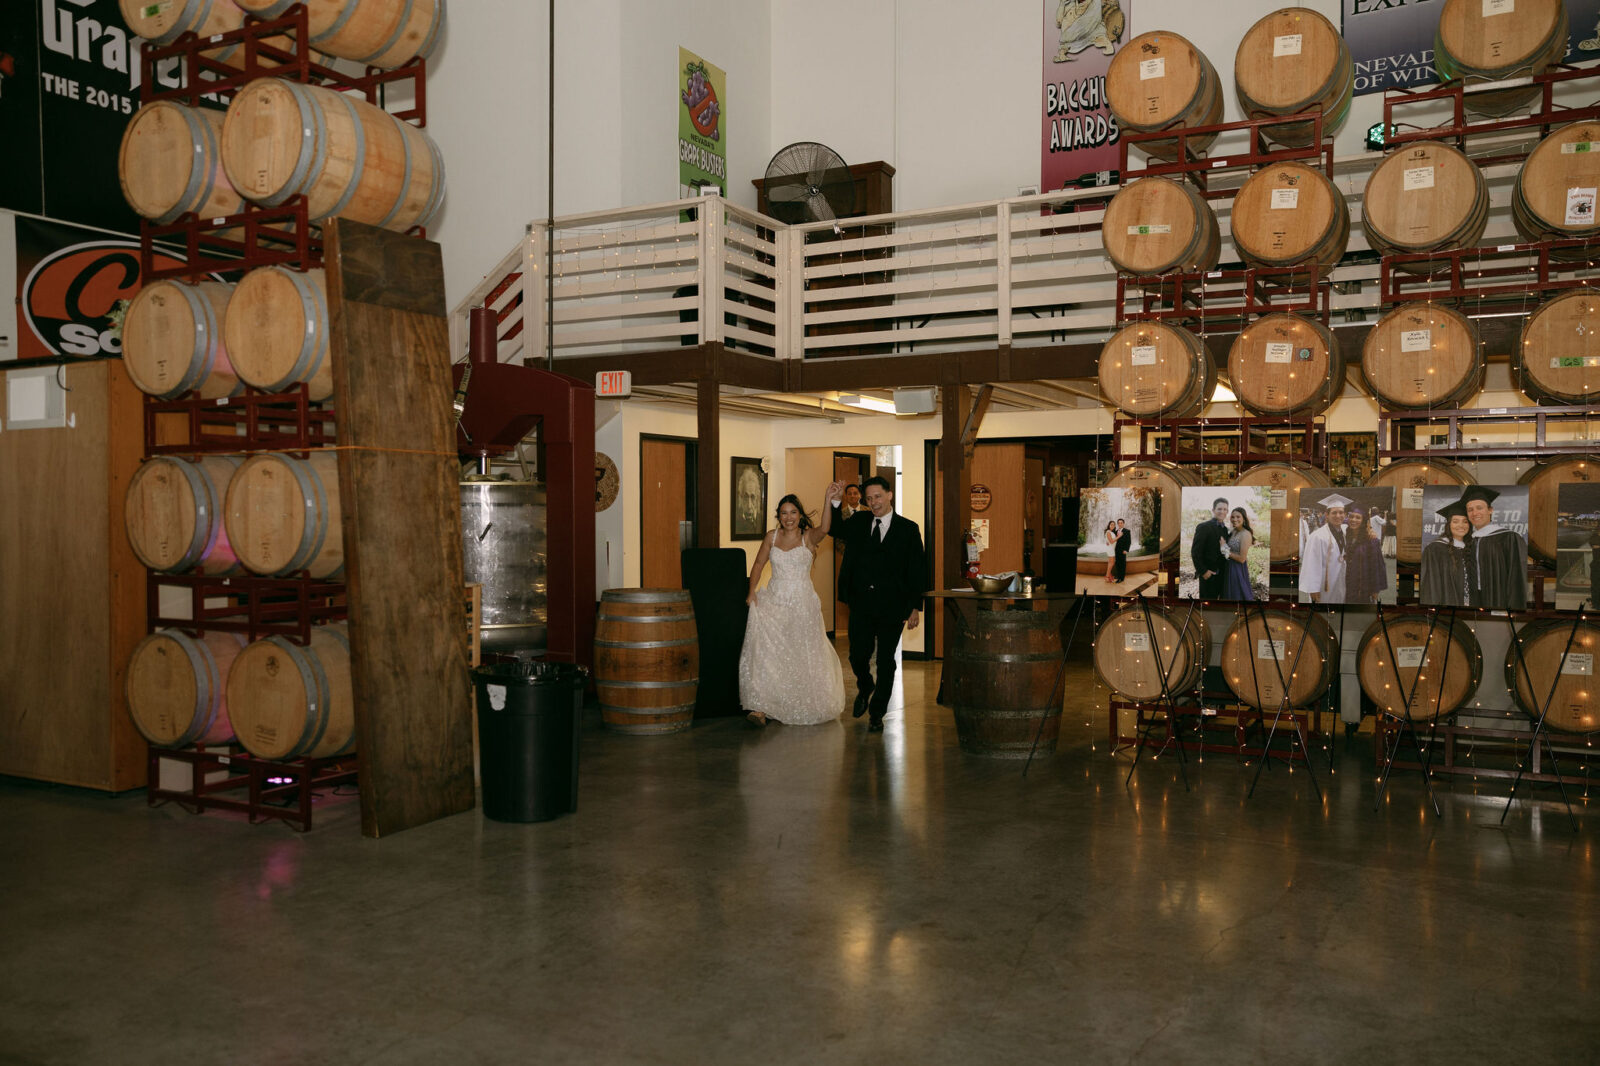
<point>1206,551</point>
<point>882,579</point>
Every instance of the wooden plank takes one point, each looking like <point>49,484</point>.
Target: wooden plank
<point>402,526</point>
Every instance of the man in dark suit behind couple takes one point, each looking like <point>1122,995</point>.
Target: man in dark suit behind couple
<point>883,579</point>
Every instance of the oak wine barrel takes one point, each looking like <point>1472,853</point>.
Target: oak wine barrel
<point>1408,477</point>
<point>1423,355</point>
<point>170,164</point>
<point>1554,195</point>
<point>289,701</point>
<point>376,33</point>
<point>172,340</point>
<point>1421,660</point>
<point>1160,226</point>
<point>277,330</point>
<point>164,21</point>
<point>1557,359</point>
<point>1159,81</point>
<point>1426,197</point>
<point>176,687</point>
<point>1289,214</point>
<point>1006,683</point>
<point>1574,707</point>
<point>1151,369</point>
<point>1283,476</point>
<point>1170,478</point>
<point>1495,40</point>
<point>282,515</point>
<point>1132,667</point>
<point>1268,653</point>
<point>1294,62</point>
<point>646,660</point>
<point>1284,364</point>
<point>347,157</point>
<point>173,514</point>
<point>1544,481</point>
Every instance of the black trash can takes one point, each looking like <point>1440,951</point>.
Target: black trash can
<point>528,739</point>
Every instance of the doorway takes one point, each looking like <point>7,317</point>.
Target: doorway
<point>666,501</point>
<point>851,468</point>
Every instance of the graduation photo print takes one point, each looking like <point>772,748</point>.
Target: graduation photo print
<point>1475,546</point>
<point>1342,538</point>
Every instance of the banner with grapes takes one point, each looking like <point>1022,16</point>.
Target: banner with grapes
<point>702,135</point>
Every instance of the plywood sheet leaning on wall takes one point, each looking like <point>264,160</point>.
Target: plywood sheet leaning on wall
<point>402,526</point>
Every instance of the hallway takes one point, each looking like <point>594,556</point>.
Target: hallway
<point>800,895</point>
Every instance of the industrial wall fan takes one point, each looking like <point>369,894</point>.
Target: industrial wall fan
<point>809,182</point>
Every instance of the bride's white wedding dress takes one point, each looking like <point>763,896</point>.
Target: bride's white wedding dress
<point>788,670</point>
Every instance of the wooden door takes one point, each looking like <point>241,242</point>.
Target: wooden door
<point>851,469</point>
<point>1033,509</point>
<point>663,503</point>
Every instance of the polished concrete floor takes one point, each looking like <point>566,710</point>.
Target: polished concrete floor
<point>802,895</point>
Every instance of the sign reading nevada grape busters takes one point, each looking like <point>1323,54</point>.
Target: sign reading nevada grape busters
<point>1080,133</point>
<point>1391,41</point>
<point>702,140</point>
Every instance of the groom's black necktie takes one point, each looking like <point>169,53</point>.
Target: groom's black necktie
<point>877,530</point>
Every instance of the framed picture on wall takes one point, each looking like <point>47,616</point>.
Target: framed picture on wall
<point>747,503</point>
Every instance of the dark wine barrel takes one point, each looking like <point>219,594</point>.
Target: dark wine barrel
<point>1553,652</point>
<point>1421,660</point>
<point>646,660</point>
<point>1268,653</point>
<point>1006,683</point>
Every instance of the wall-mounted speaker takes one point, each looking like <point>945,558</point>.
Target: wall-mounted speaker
<point>921,401</point>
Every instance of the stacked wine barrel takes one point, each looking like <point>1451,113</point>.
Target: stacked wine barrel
<point>1283,477</point>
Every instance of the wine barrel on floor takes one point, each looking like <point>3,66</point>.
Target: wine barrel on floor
<point>1544,481</point>
<point>1289,214</point>
<point>177,685</point>
<point>172,340</point>
<point>1408,477</point>
<point>289,701</point>
<point>1160,226</point>
<point>1497,40</point>
<point>1151,369</point>
<point>1423,355</point>
<point>1419,664</point>
<point>1134,666</point>
<point>1554,673</point>
<point>173,514</point>
<point>1557,359</point>
<point>1170,478</point>
<point>1006,683</point>
<point>283,515</point>
<point>1268,654</point>
<point>1294,62</point>
<point>646,660</point>
<point>1160,81</point>
<point>1426,197</point>
<point>1283,477</point>
<point>1285,364</point>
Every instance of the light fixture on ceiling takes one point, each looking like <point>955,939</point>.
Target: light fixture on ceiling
<point>866,403</point>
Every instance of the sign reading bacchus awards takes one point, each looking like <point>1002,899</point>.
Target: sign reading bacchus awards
<point>1080,133</point>
<point>702,134</point>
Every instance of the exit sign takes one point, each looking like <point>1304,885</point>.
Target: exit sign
<point>614,383</point>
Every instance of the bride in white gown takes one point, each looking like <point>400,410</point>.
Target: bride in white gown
<point>788,670</point>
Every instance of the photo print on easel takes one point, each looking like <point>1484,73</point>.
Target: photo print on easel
<point>1578,546</point>
<point>1475,546</point>
<point>1342,536</point>
<point>1119,531</point>
<point>1227,542</point>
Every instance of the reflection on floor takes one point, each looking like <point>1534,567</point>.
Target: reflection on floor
<point>820,894</point>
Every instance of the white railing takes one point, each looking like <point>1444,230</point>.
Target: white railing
<point>1022,271</point>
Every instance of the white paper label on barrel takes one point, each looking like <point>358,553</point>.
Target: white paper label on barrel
<point>1409,658</point>
<point>1136,642</point>
<point>1285,198</point>
<point>1416,340</point>
<point>1578,663</point>
<point>1142,231</point>
<point>1498,7</point>
<point>1271,649</point>
<point>1280,352</point>
<point>1144,355</point>
<point>1411,499</point>
<point>497,696</point>
<point>1280,499</point>
<point>1286,45</point>
<point>1580,207</point>
<point>1417,178</point>
<point>1152,68</point>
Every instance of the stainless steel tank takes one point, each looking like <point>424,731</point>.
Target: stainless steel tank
<point>503,549</point>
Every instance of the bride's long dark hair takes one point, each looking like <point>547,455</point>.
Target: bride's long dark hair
<point>805,519</point>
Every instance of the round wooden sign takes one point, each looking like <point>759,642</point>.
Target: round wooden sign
<point>606,481</point>
<point>981,497</point>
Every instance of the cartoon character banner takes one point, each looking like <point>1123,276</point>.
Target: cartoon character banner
<point>702,132</point>
<point>1080,133</point>
<point>1391,42</point>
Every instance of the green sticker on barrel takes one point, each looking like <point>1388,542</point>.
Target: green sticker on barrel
<point>1577,146</point>
<point>150,11</point>
<point>1144,231</point>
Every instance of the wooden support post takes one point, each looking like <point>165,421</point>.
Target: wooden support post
<point>708,462</point>
<point>389,342</point>
<point>955,504</point>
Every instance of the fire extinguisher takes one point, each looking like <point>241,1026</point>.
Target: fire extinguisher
<point>972,554</point>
